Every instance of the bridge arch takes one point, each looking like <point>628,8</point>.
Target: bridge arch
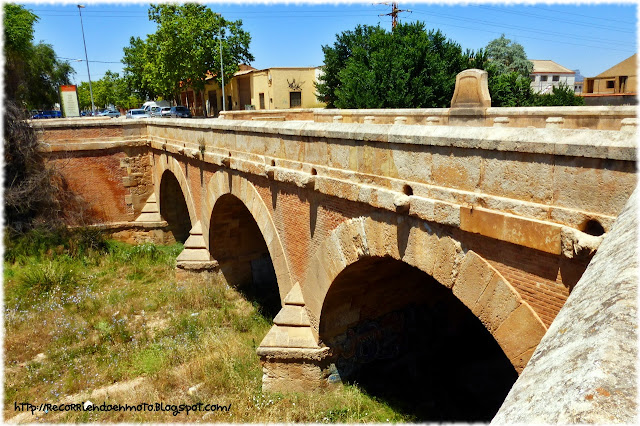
<point>223,185</point>
<point>174,197</point>
<point>514,325</point>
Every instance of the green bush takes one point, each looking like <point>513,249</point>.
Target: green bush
<point>40,242</point>
<point>562,95</point>
<point>38,280</point>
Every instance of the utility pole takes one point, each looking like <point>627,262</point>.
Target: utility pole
<point>221,64</point>
<point>93,107</point>
<point>394,13</point>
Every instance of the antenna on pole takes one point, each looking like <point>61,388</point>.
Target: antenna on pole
<point>394,13</point>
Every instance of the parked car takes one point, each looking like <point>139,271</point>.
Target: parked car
<point>48,114</point>
<point>156,111</point>
<point>137,113</point>
<point>180,111</point>
<point>110,113</point>
<point>165,112</point>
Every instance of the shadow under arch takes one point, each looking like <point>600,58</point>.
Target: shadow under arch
<point>173,207</point>
<point>240,203</point>
<point>179,187</point>
<point>404,338</point>
<point>242,254</point>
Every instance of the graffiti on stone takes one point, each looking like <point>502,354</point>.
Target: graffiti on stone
<point>383,338</point>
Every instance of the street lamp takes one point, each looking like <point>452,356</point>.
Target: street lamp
<point>93,107</point>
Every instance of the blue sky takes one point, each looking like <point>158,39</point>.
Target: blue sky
<point>590,37</point>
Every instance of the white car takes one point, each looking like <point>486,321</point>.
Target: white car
<point>137,113</point>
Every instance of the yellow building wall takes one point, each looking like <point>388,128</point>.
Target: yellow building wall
<point>274,83</point>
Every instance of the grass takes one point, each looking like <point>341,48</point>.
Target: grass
<point>111,318</point>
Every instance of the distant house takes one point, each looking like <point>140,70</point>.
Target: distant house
<point>579,83</point>
<point>547,74</point>
<point>250,88</point>
<point>616,86</point>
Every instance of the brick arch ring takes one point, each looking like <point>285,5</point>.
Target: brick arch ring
<point>221,184</point>
<point>169,163</point>
<point>511,321</point>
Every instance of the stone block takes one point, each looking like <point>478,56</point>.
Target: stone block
<point>456,168</point>
<point>473,277</point>
<point>292,315</point>
<point>381,238</point>
<point>520,332</point>
<point>472,90</point>
<point>496,303</point>
<point>535,234</point>
<point>194,255</point>
<point>294,297</point>
<point>421,249</point>
<point>447,252</point>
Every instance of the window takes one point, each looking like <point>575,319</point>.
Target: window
<point>623,83</point>
<point>295,99</point>
<point>543,78</point>
<point>610,84</point>
<point>533,78</point>
<point>261,100</point>
<point>556,78</point>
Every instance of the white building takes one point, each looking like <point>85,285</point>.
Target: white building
<point>547,74</point>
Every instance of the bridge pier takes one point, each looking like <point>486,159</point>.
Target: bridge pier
<point>195,258</point>
<point>290,355</point>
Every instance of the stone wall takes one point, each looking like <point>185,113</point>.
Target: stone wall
<point>592,117</point>
<point>508,194</point>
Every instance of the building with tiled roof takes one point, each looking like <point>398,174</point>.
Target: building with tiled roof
<point>616,86</point>
<point>548,74</point>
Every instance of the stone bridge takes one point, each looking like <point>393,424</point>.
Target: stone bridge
<point>453,240</point>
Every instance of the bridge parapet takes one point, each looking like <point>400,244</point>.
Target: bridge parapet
<point>573,117</point>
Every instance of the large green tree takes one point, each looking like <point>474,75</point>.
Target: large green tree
<point>510,78</point>
<point>32,73</point>
<point>509,73</point>
<point>405,68</point>
<point>183,50</point>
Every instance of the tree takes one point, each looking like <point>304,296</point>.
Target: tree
<point>32,72</point>
<point>406,68</point>
<point>509,71</point>
<point>18,36</point>
<point>505,56</point>
<point>109,90</point>
<point>509,78</point>
<point>45,76</point>
<point>183,50</point>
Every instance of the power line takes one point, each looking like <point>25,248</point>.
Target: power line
<point>631,49</point>
<point>584,16</point>
<point>83,60</point>
<point>564,21</point>
<point>493,24</point>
